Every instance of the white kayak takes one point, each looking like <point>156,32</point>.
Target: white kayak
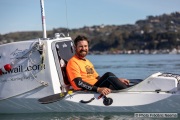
<point>32,81</point>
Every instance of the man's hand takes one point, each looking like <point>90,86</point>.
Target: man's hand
<point>103,90</point>
<point>125,81</point>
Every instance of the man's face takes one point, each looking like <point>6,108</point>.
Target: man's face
<point>82,48</point>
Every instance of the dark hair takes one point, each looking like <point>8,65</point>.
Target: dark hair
<point>80,38</point>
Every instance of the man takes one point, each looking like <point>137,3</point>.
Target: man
<point>82,75</point>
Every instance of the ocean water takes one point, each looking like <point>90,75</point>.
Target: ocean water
<point>78,116</point>
<point>124,66</point>
<point>136,66</point>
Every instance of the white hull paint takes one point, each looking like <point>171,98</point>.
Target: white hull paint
<point>122,102</point>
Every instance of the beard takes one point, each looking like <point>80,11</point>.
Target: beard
<point>82,53</point>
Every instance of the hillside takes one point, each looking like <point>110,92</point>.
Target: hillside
<point>154,33</point>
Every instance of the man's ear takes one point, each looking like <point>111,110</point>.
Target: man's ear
<point>75,47</point>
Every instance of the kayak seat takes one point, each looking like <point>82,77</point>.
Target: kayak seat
<point>63,64</point>
<point>65,51</point>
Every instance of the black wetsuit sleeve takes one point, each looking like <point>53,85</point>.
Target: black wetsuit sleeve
<point>84,85</point>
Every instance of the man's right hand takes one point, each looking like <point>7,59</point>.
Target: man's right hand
<point>103,90</point>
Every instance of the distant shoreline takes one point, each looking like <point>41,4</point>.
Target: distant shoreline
<point>167,51</point>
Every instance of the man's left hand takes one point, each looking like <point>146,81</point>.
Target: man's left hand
<point>125,81</point>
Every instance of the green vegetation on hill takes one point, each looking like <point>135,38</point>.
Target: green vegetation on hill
<point>153,33</point>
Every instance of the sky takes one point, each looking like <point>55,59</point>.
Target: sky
<point>25,15</point>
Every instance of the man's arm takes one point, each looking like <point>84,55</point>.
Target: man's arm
<point>84,85</point>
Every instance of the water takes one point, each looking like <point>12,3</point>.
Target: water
<point>136,66</point>
<point>77,116</point>
<point>124,66</point>
<point>69,116</point>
